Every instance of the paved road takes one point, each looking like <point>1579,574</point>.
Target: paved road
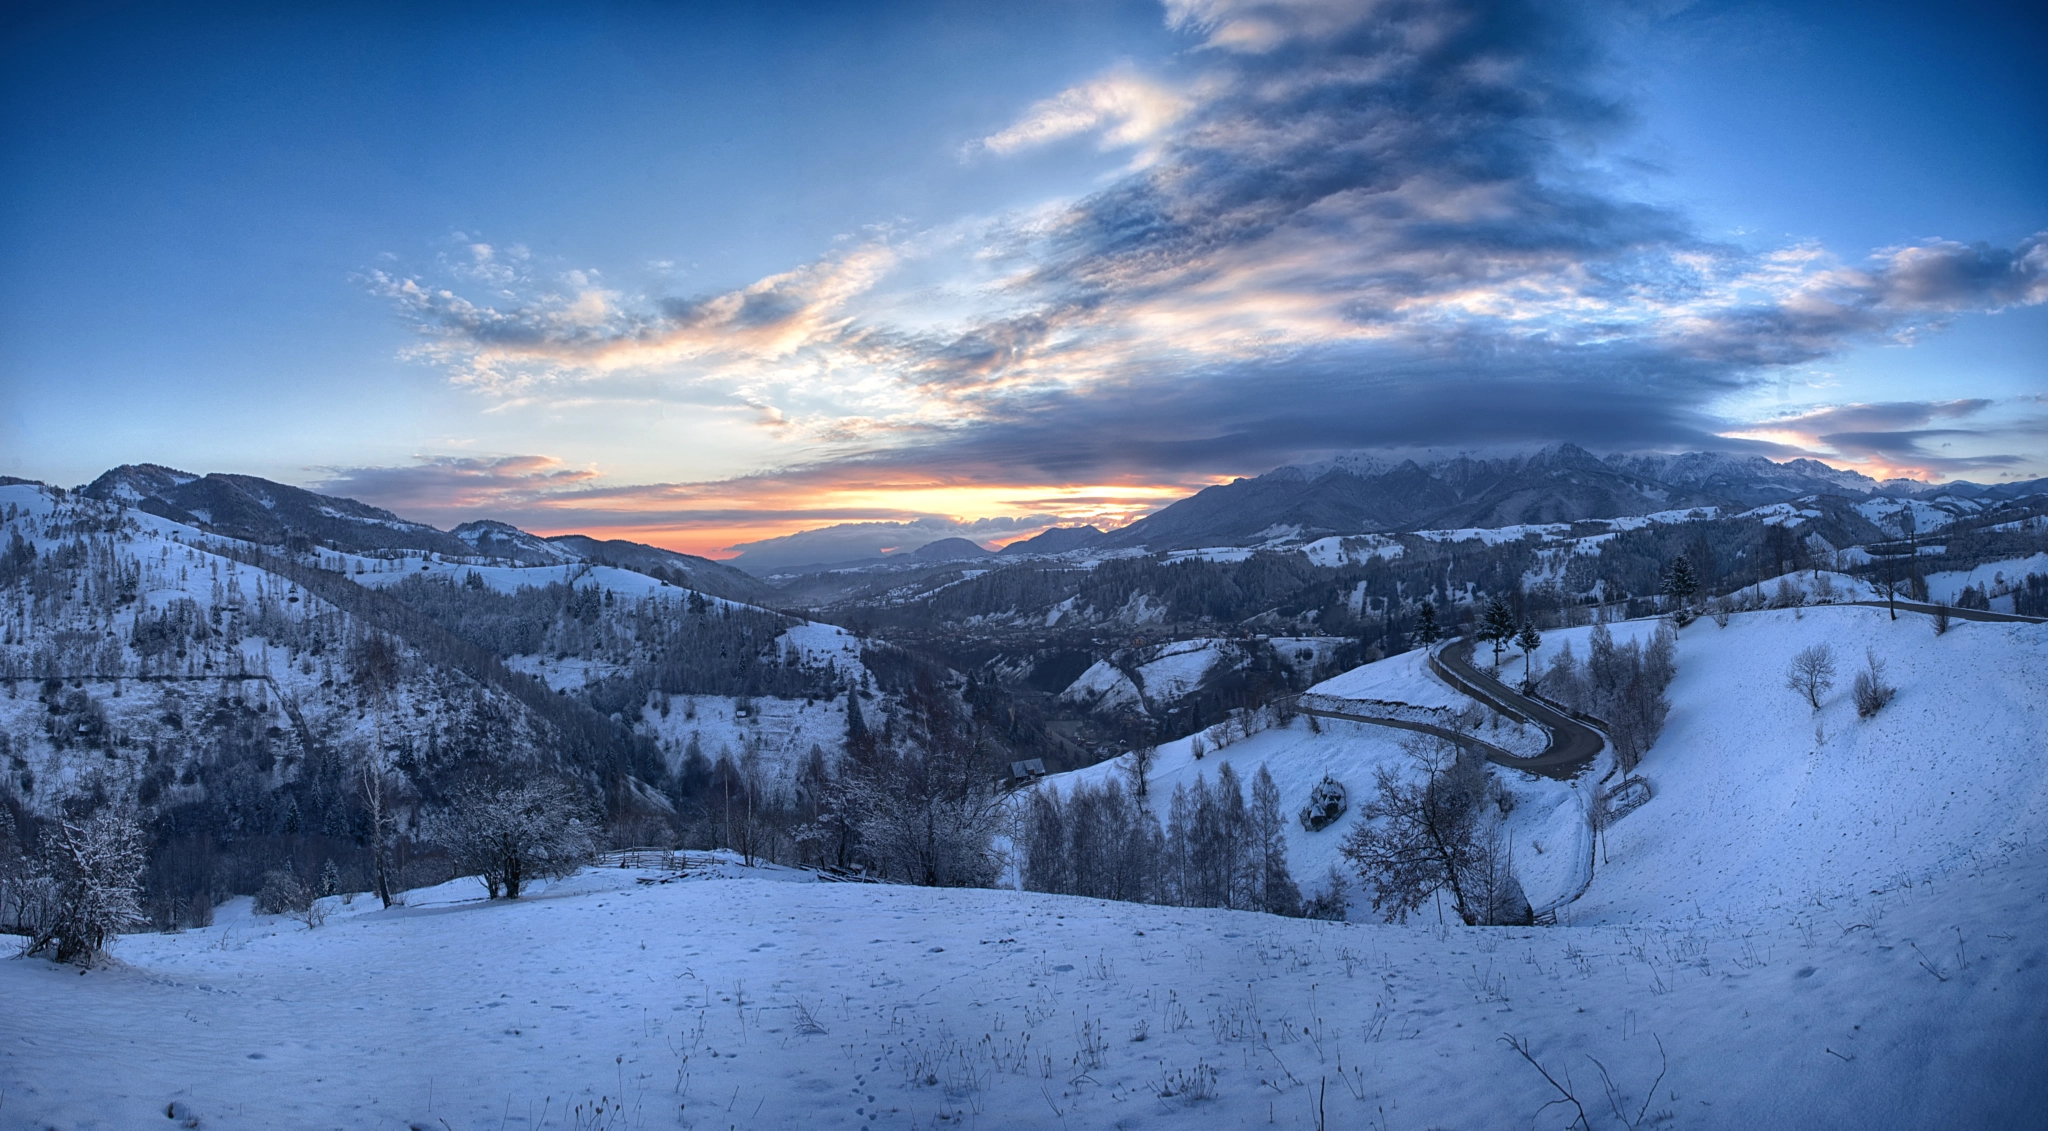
<point>1958,614</point>
<point>1573,744</point>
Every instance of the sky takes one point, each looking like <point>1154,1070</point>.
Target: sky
<point>708,275</point>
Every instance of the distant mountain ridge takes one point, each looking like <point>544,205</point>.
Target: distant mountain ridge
<point>276,514</point>
<point>1365,493</point>
<point>261,511</point>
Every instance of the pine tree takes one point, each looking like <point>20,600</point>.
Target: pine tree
<point>1528,642</point>
<point>1498,626</point>
<point>1680,584</point>
<point>1426,629</point>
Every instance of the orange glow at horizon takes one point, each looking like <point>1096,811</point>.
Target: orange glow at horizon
<point>1103,505</point>
<point>1805,444</point>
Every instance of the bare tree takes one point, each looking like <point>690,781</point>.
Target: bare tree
<point>509,834</point>
<point>1941,618</point>
<point>373,786</point>
<point>1144,755</point>
<point>1423,835</point>
<point>1812,673</point>
<point>375,664</point>
<point>1528,641</point>
<point>1278,893</point>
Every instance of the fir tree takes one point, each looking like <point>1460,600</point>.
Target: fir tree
<point>1528,642</point>
<point>1498,626</point>
<point>1426,629</point>
<point>1680,584</point>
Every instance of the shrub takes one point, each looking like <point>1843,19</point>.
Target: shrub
<point>1870,689</point>
<point>282,894</point>
<point>94,878</point>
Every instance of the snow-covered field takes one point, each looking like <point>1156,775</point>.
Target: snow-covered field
<point>1824,922</point>
<point>744,1002</point>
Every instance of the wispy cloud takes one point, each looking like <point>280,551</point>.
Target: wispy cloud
<point>1920,439</point>
<point>1121,109</point>
<point>434,487</point>
<point>884,504</point>
<point>1352,224</point>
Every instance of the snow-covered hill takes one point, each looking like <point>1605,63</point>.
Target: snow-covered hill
<point>726,1001</point>
<point>1818,921</point>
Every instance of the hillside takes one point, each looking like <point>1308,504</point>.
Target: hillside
<point>1831,927</point>
<point>231,694</point>
<point>617,999</point>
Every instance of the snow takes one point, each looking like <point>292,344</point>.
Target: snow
<point>1496,535</point>
<point>380,572</point>
<point>685,1002</point>
<point>1305,654</point>
<point>1926,517</point>
<point>1947,585</point>
<point>780,732</point>
<point>1824,921</point>
<point>1352,549</point>
<point>1102,687</point>
<point>1405,678</point>
<point>1763,803</point>
<point>1780,514</point>
<point>2038,522</point>
<point>1180,668</point>
<point>1213,554</point>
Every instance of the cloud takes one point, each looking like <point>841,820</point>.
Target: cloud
<point>883,504</point>
<point>1123,108</point>
<point>434,487</point>
<point>1917,439</point>
<point>1353,223</point>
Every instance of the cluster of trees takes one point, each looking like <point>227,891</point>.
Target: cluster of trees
<point>70,883</point>
<point>1621,686</point>
<point>513,831</point>
<point>1215,850</point>
<point>1811,675</point>
<point>917,797</point>
<point>681,645</point>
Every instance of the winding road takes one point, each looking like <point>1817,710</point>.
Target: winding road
<point>1573,744</point>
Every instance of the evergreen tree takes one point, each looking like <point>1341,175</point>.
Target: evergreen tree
<point>1426,629</point>
<point>1498,625</point>
<point>1528,642</point>
<point>1680,583</point>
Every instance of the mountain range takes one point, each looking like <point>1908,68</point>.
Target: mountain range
<point>275,514</point>
<point>1350,494</point>
<point>1364,494</point>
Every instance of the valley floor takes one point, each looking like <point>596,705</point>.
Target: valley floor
<point>736,998</point>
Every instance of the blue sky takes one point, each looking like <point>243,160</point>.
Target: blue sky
<point>708,274</point>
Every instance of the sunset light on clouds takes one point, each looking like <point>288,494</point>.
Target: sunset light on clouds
<point>706,277</point>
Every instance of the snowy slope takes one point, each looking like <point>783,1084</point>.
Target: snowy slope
<point>1992,577</point>
<point>722,1002</point>
<point>1763,803</point>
